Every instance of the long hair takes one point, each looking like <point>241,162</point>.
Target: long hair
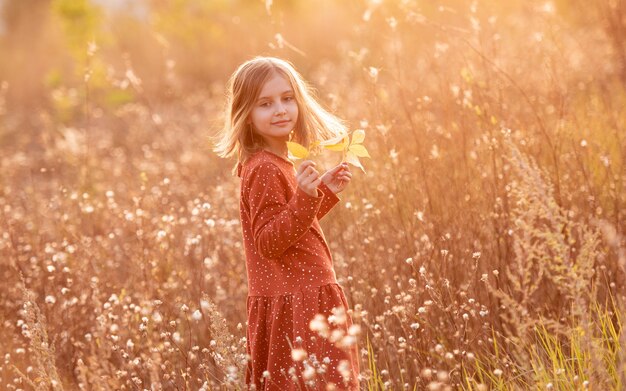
<point>237,137</point>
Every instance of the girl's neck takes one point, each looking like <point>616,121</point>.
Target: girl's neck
<point>280,150</point>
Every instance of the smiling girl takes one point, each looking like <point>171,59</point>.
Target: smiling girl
<point>289,266</point>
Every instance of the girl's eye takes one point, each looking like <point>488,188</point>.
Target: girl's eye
<point>265,104</point>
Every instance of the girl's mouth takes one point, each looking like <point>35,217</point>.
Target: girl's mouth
<point>281,122</point>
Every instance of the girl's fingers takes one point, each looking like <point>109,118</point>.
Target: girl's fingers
<point>305,164</point>
<point>312,184</point>
<point>341,167</point>
<point>305,172</point>
<point>308,176</point>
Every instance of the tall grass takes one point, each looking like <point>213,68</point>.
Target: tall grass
<point>482,249</point>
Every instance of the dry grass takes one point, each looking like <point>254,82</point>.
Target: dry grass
<point>483,249</point>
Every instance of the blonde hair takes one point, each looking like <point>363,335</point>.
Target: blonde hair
<point>314,123</point>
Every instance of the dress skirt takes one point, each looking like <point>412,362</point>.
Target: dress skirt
<point>278,324</point>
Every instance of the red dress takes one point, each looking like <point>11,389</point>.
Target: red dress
<point>290,280</point>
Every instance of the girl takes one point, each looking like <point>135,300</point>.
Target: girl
<point>289,266</point>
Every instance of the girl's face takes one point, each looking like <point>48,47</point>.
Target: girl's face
<point>275,112</point>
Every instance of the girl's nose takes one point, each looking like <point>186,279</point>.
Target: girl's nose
<point>280,109</point>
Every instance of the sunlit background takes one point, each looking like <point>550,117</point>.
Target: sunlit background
<point>482,248</point>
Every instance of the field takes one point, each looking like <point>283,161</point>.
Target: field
<point>482,248</point>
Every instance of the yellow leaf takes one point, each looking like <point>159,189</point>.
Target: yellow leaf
<point>354,160</point>
<point>337,147</point>
<point>358,136</point>
<point>297,151</point>
<point>340,146</point>
<point>334,140</point>
<point>359,150</point>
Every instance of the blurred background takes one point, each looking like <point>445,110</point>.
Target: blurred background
<point>486,232</point>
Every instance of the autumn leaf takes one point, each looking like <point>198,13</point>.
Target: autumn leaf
<point>359,150</point>
<point>352,148</point>
<point>358,136</point>
<point>297,151</point>
<point>338,143</point>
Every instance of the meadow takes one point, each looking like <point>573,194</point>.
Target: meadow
<point>483,247</point>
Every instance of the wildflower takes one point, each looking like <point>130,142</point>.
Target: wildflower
<point>344,368</point>
<point>298,354</point>
<point>184,308</point>
<point>197,315</point>
<point>338,317</point>
<point>308,373</point>
<point>336,335</point>
<point>318,324</point>
<point>373,72</point>
<point>347,341</point>
<point>497,372</point>
<point>415,326</point>
<point>50,299</point>
<point>355,329</point>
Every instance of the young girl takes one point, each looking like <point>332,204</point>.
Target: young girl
<point>288,262</point>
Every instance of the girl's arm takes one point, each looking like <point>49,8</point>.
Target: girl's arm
<point>330,200</point>
<point>277,222</point>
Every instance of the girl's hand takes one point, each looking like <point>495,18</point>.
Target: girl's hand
<point>337,178</point>
<point>308,177</point>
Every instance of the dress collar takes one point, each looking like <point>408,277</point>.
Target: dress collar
<point>276,157</point>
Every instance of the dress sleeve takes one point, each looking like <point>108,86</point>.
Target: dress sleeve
<point>277,222</point>
<point>330,200</point>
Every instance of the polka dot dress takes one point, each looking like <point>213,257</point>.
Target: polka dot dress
<point>290,280</point>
